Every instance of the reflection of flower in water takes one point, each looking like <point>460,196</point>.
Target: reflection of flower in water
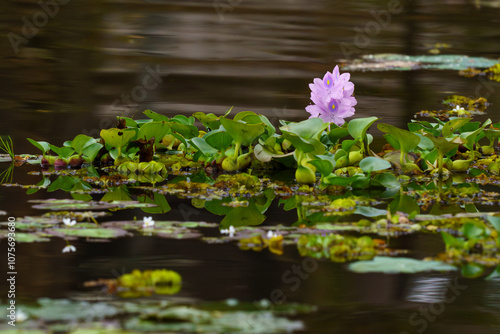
<point>332,97</point>
<point>148,222</point>
<point>69,221</point>
<point>231,231</point>
<point>69,248</point>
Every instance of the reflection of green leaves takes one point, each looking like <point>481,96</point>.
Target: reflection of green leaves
<point>243,216</point>
<point>160,200</point>
<point>472,270</point>
<point>406,204</point>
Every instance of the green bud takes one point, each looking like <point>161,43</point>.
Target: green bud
<point>487,150</point>
<point>355,157</point>
<point>460,165</point>
<point>286,144</point>
<point>144,167</point>
<point>230,164</point>
<point>493,168</point>
<point>244,160</point>
<point>341,162</point>
<point>305,175</point>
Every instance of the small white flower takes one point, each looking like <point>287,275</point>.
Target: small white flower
<point>458,109</point>
<point>148,222</point>
<point>229,231</point>
<point>69,248</point>
<point>271,234</point>
<point>69,222</point>
<point>21,316</point>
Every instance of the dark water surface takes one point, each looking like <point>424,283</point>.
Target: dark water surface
<point>75,74</point>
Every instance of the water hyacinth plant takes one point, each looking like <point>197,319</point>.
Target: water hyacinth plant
<point>332,97</point>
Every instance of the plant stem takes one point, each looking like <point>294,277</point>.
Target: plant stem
<point>237,147</point>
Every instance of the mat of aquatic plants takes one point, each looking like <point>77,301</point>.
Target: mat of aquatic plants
<point>352,200</point>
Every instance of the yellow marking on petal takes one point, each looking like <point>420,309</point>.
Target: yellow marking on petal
<point>327,82</point>
<point>333,106</point>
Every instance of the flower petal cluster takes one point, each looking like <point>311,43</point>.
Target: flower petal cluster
<point>69,248</point>
<point>69,221</point>
<point>231,231</point>
<point>148,222</point>
<point>332,97</point>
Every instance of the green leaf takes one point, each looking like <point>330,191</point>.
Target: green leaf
<point>156,130</point>
<point>369,211</point>
<point>454,125</point>
<point>243,216</point>
<point>472,231</point>
<point>62,152</point>
<point>452,242</point>
<point>187,131</point>
<point>160,200</point>
<point>310,128</point>
<point>91,151</point>
<point>337,133</point>
<point>406,140</point>
<point>210,121</point>
<point>80,142</point>
<point>357,127</point>
<point>495,221</point>
<point>404,203</point>
<point>472,270</point>
<point>372,164</point>
<point>41,145</point>
<point>219,140</point>
<point>155,116</point>
<point>387,180</point>
<point>324,164</point>
<point>242,133</point>
<point>117,137</point>
<point>65,183</point>
<point>442,145</point>
<point>203,147</point>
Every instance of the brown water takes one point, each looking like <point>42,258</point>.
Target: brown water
<point>72,76</point>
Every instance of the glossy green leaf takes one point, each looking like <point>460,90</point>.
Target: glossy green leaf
<point>41,145</point>
<point>307,129</point>
<point>242,133</point>
<point>155,116</point>
<point>156,130</point>
<point>357,127</point>
<point>219,140</point>
<point>373,164</point>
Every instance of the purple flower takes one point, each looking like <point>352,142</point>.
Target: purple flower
<point>332,97</point>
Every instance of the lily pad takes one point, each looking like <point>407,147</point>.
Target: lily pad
<point>398,265</point>
<point>101,233</point>
<point>399,62</point>
<point>69,204</point>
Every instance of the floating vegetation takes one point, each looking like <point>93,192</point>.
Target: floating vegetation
<point>349,200</point>
<point>398,62</point>
<point>492,73</point>
<point>458,106</point>
<point>139,316</point>
<point>398,265</point>
<point>142,283</point>
<point>339,248</point>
